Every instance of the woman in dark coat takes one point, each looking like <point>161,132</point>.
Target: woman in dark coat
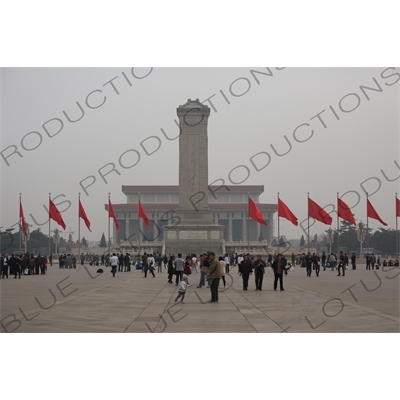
<point>170,269</point>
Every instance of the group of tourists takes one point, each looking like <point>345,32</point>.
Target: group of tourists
<point>23,264</point>
<point>213,270</point>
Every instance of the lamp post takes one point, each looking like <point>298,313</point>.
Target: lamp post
<point>361,231</point>
<point>26,236</point>
<point>329,239</point>
<point>56,238</point>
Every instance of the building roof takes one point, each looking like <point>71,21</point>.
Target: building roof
<point>175,189</point>
<point>243,207</point>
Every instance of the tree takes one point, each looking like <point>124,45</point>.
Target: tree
<point>302,241</point>
<point>103,242</point>
<point>384,241</point>
<point>84,242</point>
<point>348,237</point>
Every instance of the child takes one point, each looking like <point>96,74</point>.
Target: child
<point>182,288</point>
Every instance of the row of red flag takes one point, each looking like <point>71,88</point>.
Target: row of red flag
<point>56,216</point>
<point>317,212</point>
<point>314,211</point>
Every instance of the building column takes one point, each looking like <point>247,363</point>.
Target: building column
<point>244,230</point>
<point>126,225</point>
<point>230,234</point>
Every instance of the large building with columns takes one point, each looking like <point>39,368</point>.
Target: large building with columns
<point>229,206</point>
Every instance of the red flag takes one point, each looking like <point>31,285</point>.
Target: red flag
<point>142,214</point>
<point>55,215</point>
<point>344,211</point>
<point>255,213</point>
<point>83,215</point>
<point>397,207</point>
<point>317,212</point>
<point>22,216</point>
<point>111,214</point>
<point>371,213</point>
<point>284,212</point>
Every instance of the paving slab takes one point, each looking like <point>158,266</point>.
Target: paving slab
<point>80,300</point>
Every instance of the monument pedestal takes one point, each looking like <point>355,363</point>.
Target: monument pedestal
<point>197,239</point>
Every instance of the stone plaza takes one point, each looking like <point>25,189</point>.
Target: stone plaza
<point>82,301</point>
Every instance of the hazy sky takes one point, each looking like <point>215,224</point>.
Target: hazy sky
<point>358,141</point>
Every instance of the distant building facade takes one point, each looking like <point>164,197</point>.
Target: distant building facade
<point>229,205</point>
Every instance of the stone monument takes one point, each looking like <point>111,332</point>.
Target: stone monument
<point>193,230</point>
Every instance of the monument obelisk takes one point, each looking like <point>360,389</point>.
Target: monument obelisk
<point>193,230</point>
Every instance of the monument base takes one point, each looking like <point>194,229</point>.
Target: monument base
<point>197,239</point>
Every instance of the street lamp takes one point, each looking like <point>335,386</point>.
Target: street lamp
<point>361,232</point>
<point>26,236</point>
<point>56,238</point>
<point>329,239</point>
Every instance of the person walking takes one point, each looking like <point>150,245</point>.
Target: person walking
<point>150,262</point>
<point>194,263</point>
<point>204,264</point>
<point>278,266</point>
<point>114,264</point>
<point>323,260</point>
<point>316,263</point>
<point>165,261</point>
<point>179,266</point>
<point>5,265</point>
<point>259,269</point>
<point>187,269</point>
<point>170,269</point>
<point>159,263</point>
<point>309,263</point>
<point>373,261</point>
<point>245,270</point>
<point>368,261</point>
<point>353,260</point>
<point>214,274</point>
<point>182,288</point>
<point>127,262</point>
<point>227,263</point>
<point>341,263</point>
<point>332,261</point>
<point>15,262</point>
<point>144,263</point>
<point>223,270</point>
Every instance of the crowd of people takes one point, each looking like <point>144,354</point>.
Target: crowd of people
<point>23,264</point>
<point>212,270</point>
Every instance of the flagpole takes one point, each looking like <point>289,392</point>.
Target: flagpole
<point>397,233</point>
<point>338,234</point>
<point>278,226</point>
<point>138,224</point>
<point>248,225</point>
<point>49,226</point>
<point>20,227</point>
<point>308,219</point>
<point>79,227</point>
<point>367,228</point>
<point>109,224</point>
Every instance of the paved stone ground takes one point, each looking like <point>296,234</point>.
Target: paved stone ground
<point>79,300</point>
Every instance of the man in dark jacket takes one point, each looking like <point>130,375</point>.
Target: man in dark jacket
<point>341,264</point>
<point>16,262</point>
<point>245,270</point>
<point>259,269</point>
<point>309,263</point>
<point>353,260</point>
<point>278,266</point>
